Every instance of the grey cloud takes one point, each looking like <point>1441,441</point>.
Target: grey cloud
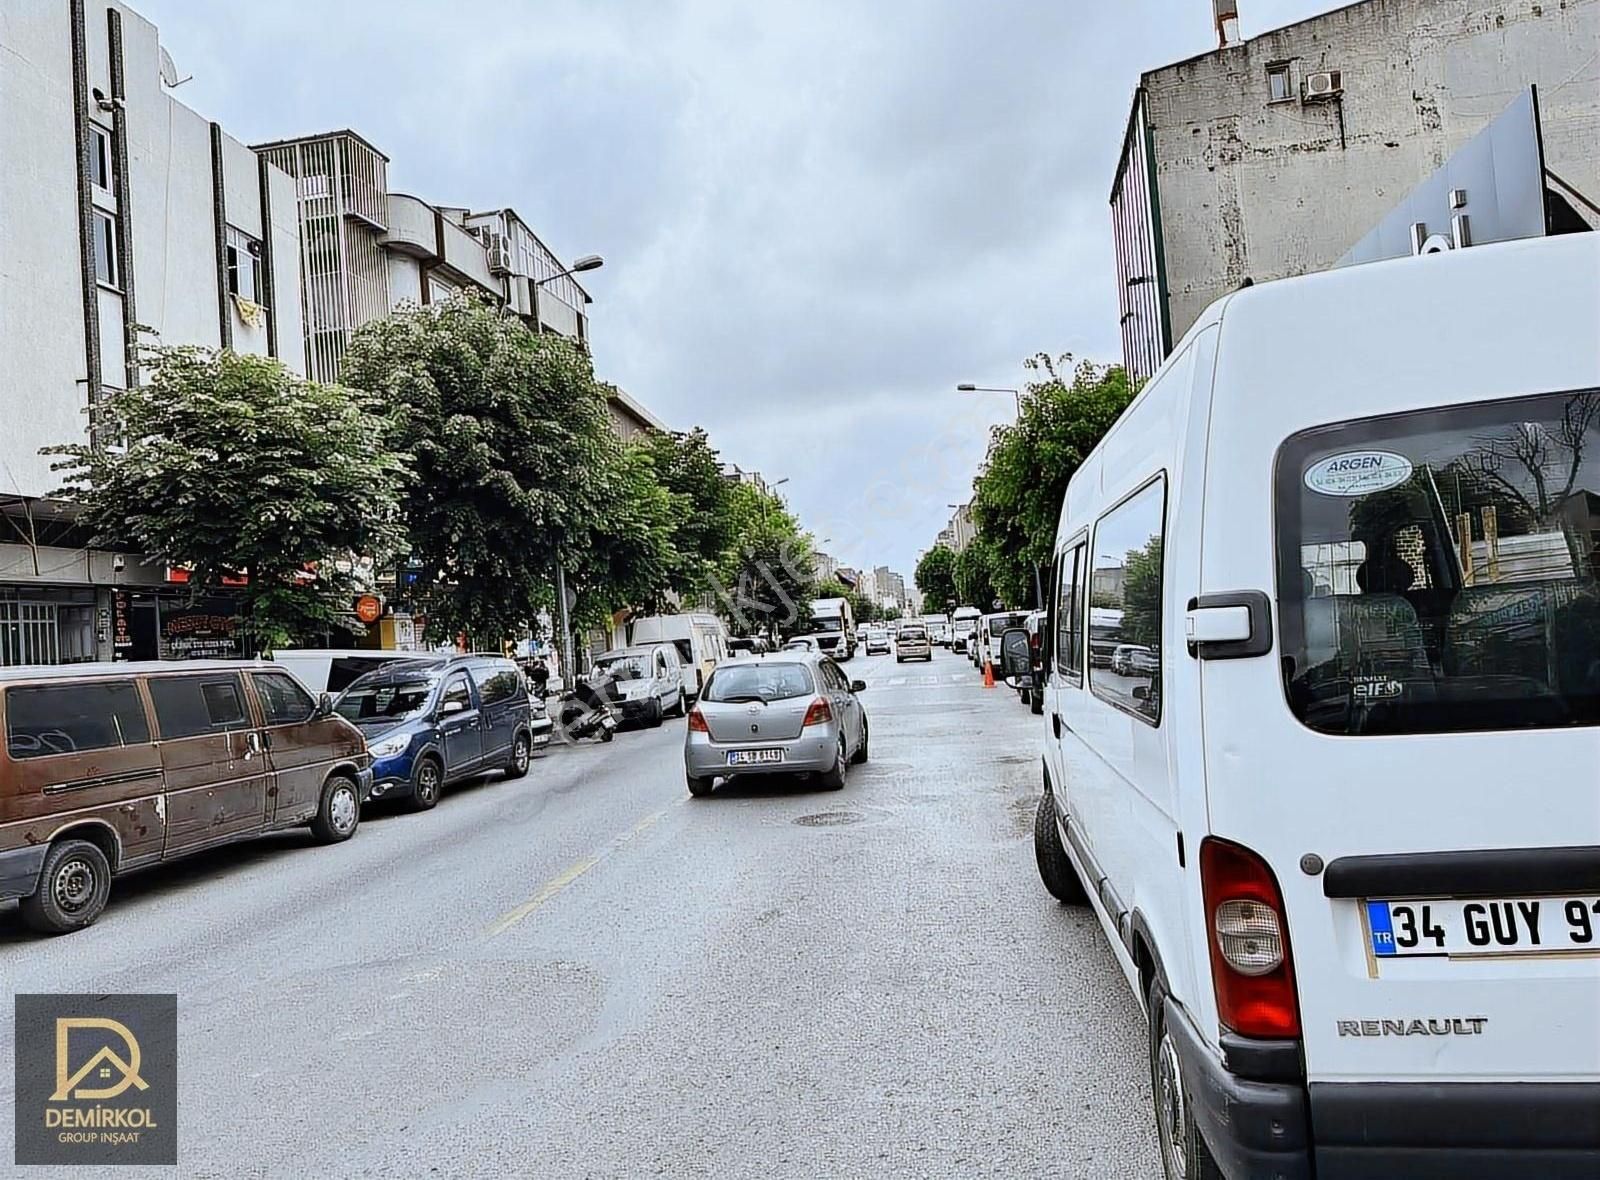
<point>816,218</point>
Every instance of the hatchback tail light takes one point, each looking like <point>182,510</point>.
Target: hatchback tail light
<point>1251,964</point>
<point>819,713</point>
<point>697,721</point>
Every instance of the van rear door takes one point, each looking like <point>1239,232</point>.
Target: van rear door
<point>1418,765</point>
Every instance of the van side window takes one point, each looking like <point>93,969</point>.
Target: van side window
<point>457,690</point>
<point>495,683</point>
<point>67,718</point>
<point>282,699</point>
<point>1069,614</point>
<point>192,706</point>
<point>1125,603</point>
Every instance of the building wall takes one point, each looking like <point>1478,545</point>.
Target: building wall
<point>1251,188</point>
<point>165,212</point>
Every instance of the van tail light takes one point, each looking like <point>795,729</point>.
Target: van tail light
<point>697,721</point>
<point>1251,964</point>
<point>819,713</point>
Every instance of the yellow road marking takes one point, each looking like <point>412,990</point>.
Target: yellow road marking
<point>559,882</point>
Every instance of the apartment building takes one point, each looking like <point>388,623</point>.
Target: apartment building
<point>961,530</point>
<point>1273,156</point>
<point>365,250</point>
<point>126,218</point>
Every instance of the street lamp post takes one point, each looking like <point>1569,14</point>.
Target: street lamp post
<point>772,490</point>
<point>968,387</point>
<point>586,262</point>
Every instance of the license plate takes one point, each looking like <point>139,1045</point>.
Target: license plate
<point>1461,928</point>
<point>753,757</point>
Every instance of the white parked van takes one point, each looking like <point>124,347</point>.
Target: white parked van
<point>963,623</point>
<point>1323,757</point>
<point>701,640</point>
<point>986,640</point>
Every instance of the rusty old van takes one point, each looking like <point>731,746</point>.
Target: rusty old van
<point>106,768</point>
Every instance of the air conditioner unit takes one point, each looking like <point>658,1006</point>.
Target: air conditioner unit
<point>1324,84</point>
<point>499,254</point>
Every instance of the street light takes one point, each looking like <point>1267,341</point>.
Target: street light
<point>968,387</point>
<point>766,502</point>
<point>587,262</point>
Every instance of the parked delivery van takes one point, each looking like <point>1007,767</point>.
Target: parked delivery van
<point>1337,803</point>
<point>112,767</point>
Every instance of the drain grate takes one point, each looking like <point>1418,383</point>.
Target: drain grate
<point>830,819</point>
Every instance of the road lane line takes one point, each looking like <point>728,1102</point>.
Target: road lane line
<point>559,882</point>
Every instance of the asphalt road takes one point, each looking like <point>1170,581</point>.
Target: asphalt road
<point>585,973</point>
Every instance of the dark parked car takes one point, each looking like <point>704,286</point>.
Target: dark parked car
<point>437,721</point>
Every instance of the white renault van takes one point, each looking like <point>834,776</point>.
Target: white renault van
<point>1342,827</point>
<point>701,640</point>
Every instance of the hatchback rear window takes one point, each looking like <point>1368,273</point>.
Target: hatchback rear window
<point>1439,571</point>
<point>759,682</point>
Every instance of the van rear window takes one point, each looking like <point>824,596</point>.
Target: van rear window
<point>1439,571</point>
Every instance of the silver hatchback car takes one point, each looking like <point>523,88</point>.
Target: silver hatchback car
<point>791,712</point>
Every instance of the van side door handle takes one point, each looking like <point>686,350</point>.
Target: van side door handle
<point>1233,625</point>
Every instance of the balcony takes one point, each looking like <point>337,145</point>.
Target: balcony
<point>412,229</point>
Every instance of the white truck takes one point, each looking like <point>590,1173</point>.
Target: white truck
<point>701,642</point>
<point>833,626</point>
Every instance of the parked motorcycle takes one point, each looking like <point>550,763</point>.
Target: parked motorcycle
<point>584,711</point>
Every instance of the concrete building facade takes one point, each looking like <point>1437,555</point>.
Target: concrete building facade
<point>1272,156</point>
<point>365,250</point>
<point>126,219</point>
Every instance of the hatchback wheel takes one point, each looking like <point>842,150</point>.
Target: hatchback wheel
<point>698,787</point>
<point>74,883</point>
<point>427,784</point>
<point>339,812</point>
<point>861,750</point>
<point>833,779</point>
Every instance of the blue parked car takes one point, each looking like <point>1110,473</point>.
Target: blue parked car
<point>436,720</point>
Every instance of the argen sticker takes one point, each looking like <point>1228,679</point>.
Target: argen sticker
<point>1357,473</point>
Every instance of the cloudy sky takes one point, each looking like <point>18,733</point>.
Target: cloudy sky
<point>816,218</point>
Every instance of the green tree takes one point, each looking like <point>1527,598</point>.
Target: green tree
<point>974,585</point>
<point>627,557</point>
<point>514,459</point>
<point>936,577</point>
<point>233,465</point>
<point>1020,490</point>
<point>704,523</point>
<point>767,579</point>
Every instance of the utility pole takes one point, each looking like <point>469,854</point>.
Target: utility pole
<point>565,647</point>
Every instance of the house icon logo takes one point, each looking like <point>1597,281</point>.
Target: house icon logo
<point>103,1065</point>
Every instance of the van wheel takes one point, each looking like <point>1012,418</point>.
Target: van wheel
<point>340,811</point>
<point>682,707</point>
<point>521,756</point>
<point>698,787</point>
<point>1055,868</point>
<point>1184,1155</point>
<point>74,883</point>
<point>426,784</point>
<point>657,712</point>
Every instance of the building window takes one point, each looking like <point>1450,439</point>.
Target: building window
<point>244,265</point>
<point>105,248</point>
<point>1280,87</point>
<point>100,166</point>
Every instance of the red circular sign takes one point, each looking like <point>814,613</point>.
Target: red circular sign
<point>368,608</point>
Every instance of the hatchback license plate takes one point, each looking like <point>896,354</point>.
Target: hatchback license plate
<point>753,757</point>
<point>1460,928</point>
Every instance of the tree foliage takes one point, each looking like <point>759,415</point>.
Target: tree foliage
<point>767,579</point>
<point>233,465</point>
<point>704,524</point>
<point>1020,490</point>
<point>936,577</point>
<point>971,573</point>
<point>514,459</point>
